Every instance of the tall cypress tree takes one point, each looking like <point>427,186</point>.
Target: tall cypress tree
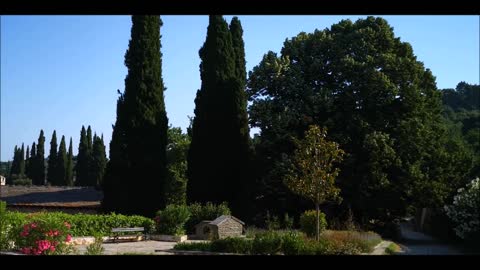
<point>39,174</point>
<point>61,166</point>
<point>218,155</point>
<point>27,161</point>
<point>82,160</point>
<point>22,161</point>
<point>69,169</point>
<point>52,160</point>
<point>136,171</point>
<point>32,164</point>
<point>15,168</point>
<point>89,180</point>
<point>99,160</point>
<point>243,199</point>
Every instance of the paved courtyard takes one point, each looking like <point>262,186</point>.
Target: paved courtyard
<point>141,248</point>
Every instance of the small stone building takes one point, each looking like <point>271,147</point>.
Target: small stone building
<point>222,227</point>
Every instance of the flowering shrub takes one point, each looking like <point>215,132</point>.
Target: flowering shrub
<point>465,211</point>
<point>42,236</point>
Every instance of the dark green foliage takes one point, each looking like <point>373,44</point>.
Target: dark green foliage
<point>5,168</point>
<point>32,160</point>
<point>462,111</point>
<point>38,168</point>
<point>172,219</point>
<point>464,97</point>
<point>27,161</point>
<point>15,168</point>
<point>61,165</point>
<point>232,245</point>
<point>90,180</point>
<point>135,174</point>
<point>308,222</point>
<point>176,179</point>
<point>82,170</point>
<point>52,160</point>
<point>208,211</point>
<point>218,157</point>
<point>21,164</point>
<point>98,161</point>
<point>69,168</point>
<point>377,101</point>
<point>199,246</point>
<point>21,181</point>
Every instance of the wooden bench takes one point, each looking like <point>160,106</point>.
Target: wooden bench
<point>117,231</point>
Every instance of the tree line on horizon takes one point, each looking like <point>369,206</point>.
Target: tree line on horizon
<point>61,168</point>
<point>407,144</point>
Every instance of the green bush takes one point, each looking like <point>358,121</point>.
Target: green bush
<point>308,222</point>
<point>232,245</point>
<point>267,243</point>
<point>172,219</point>
<point>22,182</point>
<point>96,248</point>
<point>209,211</point>
<point>292,243</point>
<point>200,246</point>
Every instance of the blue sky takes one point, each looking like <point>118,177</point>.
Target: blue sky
<point>62,72</point>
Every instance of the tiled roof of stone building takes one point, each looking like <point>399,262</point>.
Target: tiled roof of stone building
<point>223,218</point>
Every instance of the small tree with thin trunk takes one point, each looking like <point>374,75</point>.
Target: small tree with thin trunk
<point>312,174</point>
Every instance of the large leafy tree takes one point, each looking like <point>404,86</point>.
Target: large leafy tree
<point>135,174</point>
<point>176,181</point>
<point>377,101</point>
<point>219,151</point>
<point>313,170</point>
<point>462,111</point>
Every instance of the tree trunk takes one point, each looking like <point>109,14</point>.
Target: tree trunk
<point>317,235</point>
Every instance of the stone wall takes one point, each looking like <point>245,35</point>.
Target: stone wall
<point>229,228</point>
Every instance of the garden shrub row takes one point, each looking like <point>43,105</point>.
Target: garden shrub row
<point>290,243</point>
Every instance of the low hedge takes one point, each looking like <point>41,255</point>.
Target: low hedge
<point>82,224</point>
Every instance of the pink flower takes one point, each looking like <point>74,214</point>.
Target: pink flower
<point>55,233</point>
<point>33,225</point>
<point>67,225</point>
<point>24,233</point>
<point>69,237</point>
<point>26,250</point>
<point>52,248</point>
